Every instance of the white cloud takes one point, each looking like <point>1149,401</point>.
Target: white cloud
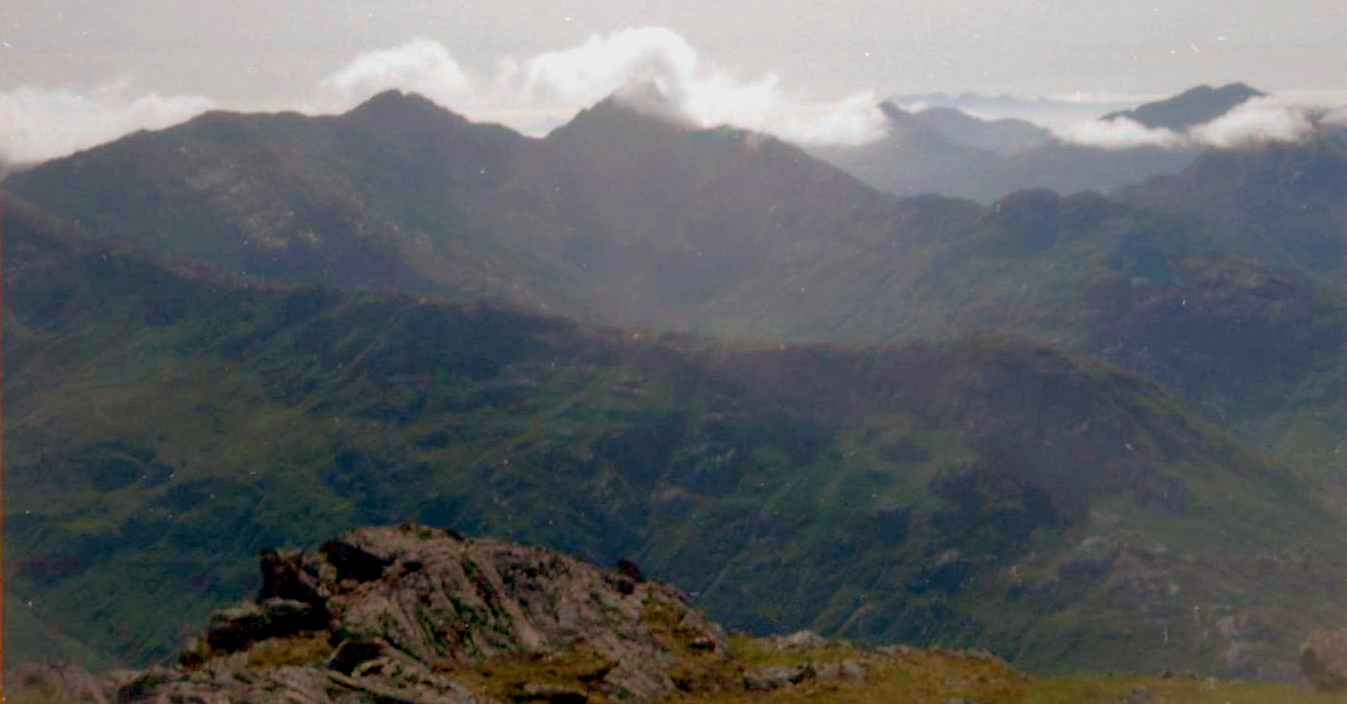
<point>1257,120</point>
<point>43,123</point>
<point>541,91</point>
<point>421,65</point>
<point>602,65</point>
<point>536,93</point>
<point>1265,119</point>
<point>1118,133</point>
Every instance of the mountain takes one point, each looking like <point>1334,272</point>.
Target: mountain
<point>1004,136</point>
<point>399,193</point>
<point>945,151</point>
<point>942,150</point>
<point>1193,107</point>
<point>166,420</point>
<point>625,216</point>
<point>1283,202</point>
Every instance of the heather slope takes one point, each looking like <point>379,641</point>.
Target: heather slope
<point>164,422</point>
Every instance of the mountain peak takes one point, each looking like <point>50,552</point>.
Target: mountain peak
<point>1195,106</point>
<point>638,108</point>
<point>399,107</point>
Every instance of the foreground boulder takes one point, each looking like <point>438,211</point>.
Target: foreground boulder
<point>408,613</point>
<point>1323,660</point>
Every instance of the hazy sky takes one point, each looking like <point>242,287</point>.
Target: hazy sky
<point>117,65</point>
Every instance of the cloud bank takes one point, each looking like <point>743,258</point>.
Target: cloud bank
<point>1266,119</point>
<point>536,93</point>
<point>41,123</point>
<point>531,94</point>
<point>421,65</point>
<point>541,91</point>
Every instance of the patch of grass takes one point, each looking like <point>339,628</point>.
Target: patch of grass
<point>908,676</point>
<point>1176,690</point>
<point>581,668</point>
<point>305,649</point>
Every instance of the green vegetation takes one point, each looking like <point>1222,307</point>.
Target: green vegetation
<point>310,649</point>
<point>986,494</point>
<point>164,420</point>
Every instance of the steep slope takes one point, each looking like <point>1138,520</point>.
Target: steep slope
<point>1284,202</point>
<point>617,216</point>
<point>1190,108</point>
<point>627,216</point>
<point>677,215</point>
<point>163,423</point>
<point>397,193</point>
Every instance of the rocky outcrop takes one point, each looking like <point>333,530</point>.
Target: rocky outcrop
<point>1323,660</point>
<point>408,613</point>
<point>425,616</point>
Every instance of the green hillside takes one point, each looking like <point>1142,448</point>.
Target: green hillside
<point>165,421</point>
<point>1222,282</point>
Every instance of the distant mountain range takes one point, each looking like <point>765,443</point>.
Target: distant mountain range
<point>622,216</point>
<point>254,329</point>
<point>943,150</point>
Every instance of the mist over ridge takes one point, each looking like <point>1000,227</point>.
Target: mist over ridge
<point>538,92</point>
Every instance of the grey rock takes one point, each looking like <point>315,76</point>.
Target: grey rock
<point>848,670</point>
<point>801,642</point>
<point>1323,660</point>
<point>404,606</point>
<point>552,693</point>
<point>766,679</point>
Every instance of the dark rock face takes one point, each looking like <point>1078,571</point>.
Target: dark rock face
<point>391,613</point>
<point>234,629</point>
<point>1323,660</point>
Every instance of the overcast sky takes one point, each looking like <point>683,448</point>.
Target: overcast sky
<point>73,71</point>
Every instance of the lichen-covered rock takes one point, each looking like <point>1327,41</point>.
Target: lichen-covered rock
<point>848,670</point>
<point>400,612</point>
<point>766,679</point>
<point>801,642</point>
<point>425,616</point>
<point>1323,660</point>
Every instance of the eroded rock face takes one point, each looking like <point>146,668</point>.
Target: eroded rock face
<point>396,613</point>
<point>1323,660</point>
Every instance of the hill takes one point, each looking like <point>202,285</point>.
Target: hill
<point>164,421</point>
<point>945,151</point>
<point>624,216</point>
<point>1193,107</point>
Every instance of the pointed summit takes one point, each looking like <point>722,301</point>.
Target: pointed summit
<point>637,110</point>
<point>404,110</point>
